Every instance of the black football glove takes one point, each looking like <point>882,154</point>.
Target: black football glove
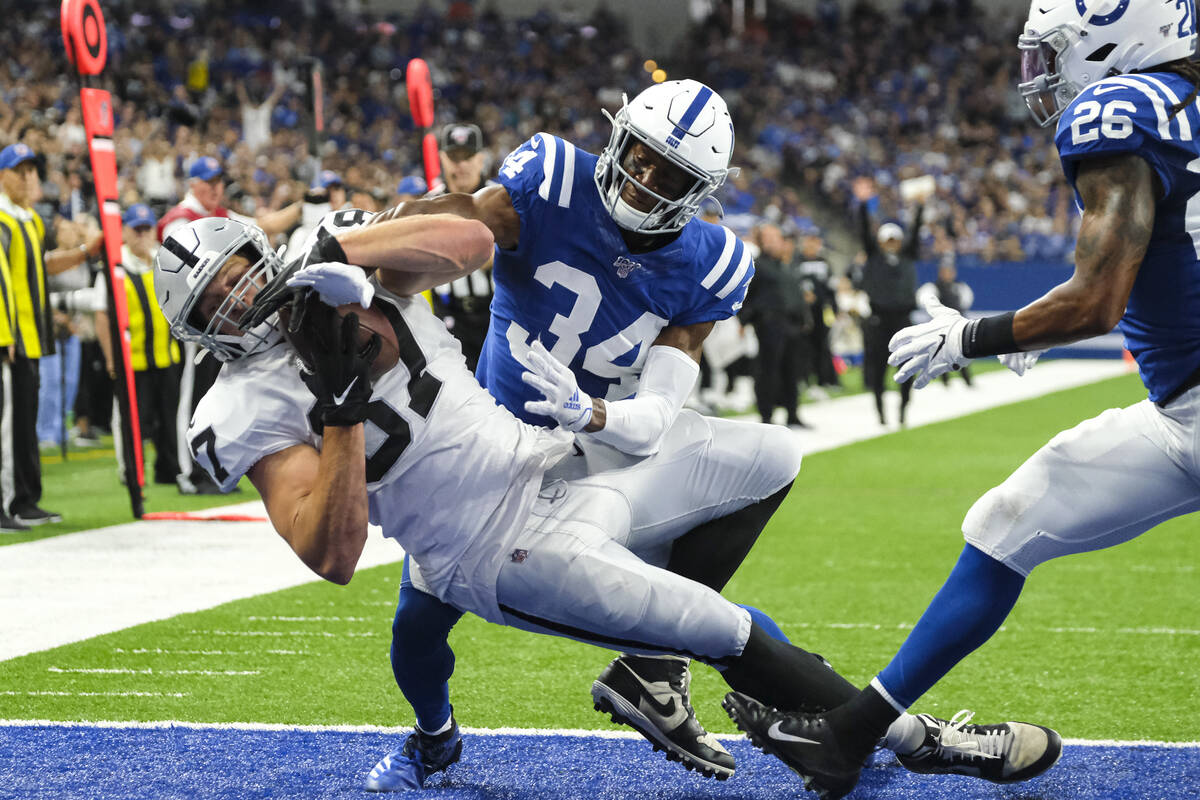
<point>277,294</point>
<point>338,368</point>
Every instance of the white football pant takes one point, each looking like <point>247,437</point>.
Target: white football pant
<point>572,571</point>
<point>1101,483</point>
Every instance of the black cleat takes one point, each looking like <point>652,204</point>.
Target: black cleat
<point>805,742</point>
<point>10,525</point>
<point>650,695</point>
<point>1005,753</point>
<point>32,516</point>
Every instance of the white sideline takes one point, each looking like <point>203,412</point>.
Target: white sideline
<point>845,420</point>
<point>77,586</point>
<point>606,734</point>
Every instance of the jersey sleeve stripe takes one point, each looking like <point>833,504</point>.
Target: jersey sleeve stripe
<point>1160,110</point>
<point>568,178</point>
<point>738,274</point>
<point>1185,130</point>
<point>722,262</point>
<point>551,144</point>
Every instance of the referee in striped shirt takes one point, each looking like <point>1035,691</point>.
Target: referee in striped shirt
<point>23,238</point>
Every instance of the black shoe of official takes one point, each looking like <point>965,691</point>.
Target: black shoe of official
<point>1005,753</point>
<point>204,485</point>
<point>650,695</point>
<point>34,516</point>
<point>10,525</point>
<point>805,742</point>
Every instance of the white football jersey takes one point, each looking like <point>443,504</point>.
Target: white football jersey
<point>446,465</point>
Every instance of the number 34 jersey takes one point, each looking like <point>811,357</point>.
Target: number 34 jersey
<point>572,282</point>
<point>1131,114</point>
<point>446,466</point>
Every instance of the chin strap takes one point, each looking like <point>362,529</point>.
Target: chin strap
<point>629,217</point>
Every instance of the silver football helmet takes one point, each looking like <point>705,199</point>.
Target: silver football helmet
<point>689,125</point>
<point>189,259</point>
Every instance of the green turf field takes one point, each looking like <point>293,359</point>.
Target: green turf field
<point>85,489</point>
<point>1101,646</point>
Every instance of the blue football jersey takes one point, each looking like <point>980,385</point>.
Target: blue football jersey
<point>1132,114</point>
<point>572,283</point>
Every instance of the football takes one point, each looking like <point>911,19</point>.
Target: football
<point>370,321</point>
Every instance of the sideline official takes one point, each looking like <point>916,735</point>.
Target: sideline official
<point>464,305</point>
<point>24,239</point>
<point>154,355</point>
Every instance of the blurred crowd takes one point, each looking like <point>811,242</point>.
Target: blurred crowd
<point>853,94</point>
<point>820,101</point>
<point>842,111</point>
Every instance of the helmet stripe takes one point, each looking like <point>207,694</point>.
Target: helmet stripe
<point>689,116</point>
<point>172,246</point>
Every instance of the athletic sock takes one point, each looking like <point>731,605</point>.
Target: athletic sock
<point>443,728</point>
<point>970,607</point>
<point>784,676</point>
<point>861,722</point>
<point>422,661</point>
<point>904,735</point>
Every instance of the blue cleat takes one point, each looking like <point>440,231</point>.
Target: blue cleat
<point>421,756</point>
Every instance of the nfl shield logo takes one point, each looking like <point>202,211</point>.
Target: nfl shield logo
<point>625,266</point>
<point>519,556</point>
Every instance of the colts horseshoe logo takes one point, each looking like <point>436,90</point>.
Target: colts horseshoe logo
<point>1102,19</point>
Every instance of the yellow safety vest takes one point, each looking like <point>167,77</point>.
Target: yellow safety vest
<point>6,302</point>
<point>23,241</point>
<point>150,343</point>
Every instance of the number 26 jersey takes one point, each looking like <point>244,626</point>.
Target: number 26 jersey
<point>1131,115</point>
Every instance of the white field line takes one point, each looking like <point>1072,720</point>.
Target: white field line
<point>908,626</point>
<point>575,732</point>
<point>312,619</point>
<point>159,651</point>
<point>46,693</point>
<point>845,420</point>
<point>150,671</point>
<point>323,634</point>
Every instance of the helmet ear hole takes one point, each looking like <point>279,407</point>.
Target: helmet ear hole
<point>1102,52</point>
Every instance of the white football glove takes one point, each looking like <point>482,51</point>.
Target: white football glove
<point>1020,363</point>
<point>564,402</point>
<point>930,349</point>
<point>337,284</point>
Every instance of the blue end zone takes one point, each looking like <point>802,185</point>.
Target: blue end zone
<point>65,763</point>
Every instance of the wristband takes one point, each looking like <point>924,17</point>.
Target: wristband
<point>990,336</point>
<point>327,249</point>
